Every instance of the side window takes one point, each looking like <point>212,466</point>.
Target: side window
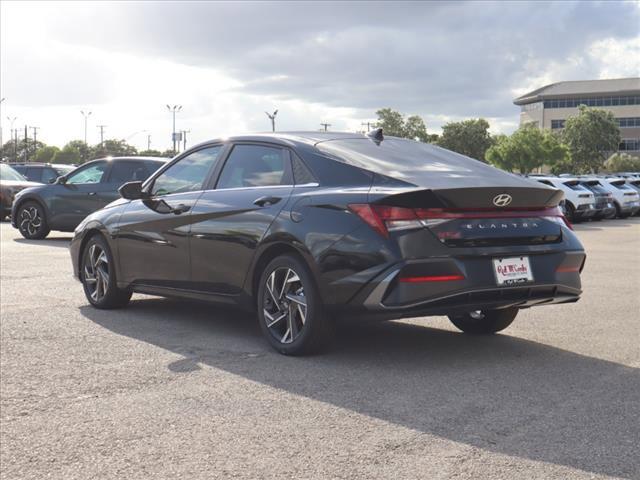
<point>255,166</point>
<point>128,171</point>
<point>48,175</point>
<point>90,174</point>
<point>189,174</point>
<point>301,174</point>
<point>32,174</point>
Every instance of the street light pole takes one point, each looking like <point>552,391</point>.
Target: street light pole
<point>149,142</point>
<point>86,117</point>
<point>272,117</point>
<point>325,125</point>
<point>173,110</point>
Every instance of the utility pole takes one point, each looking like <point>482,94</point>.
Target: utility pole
<point>1,142</point>
<point>86,117</point>
<point>101,127</point>
<point>149,142</point>
<point>272,117</point>
<point>184,139</point>
<point>369,125</point>
<point>173,110</point>
<point>325,125</point>
<point>35,140</point>
<point>26,144</point>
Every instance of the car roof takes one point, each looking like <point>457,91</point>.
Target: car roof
<point>133,157</point>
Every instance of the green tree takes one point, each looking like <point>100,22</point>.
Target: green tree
<point>45,154</point>
<point>151,153</point>
<point>526,149</point>
<point>83,149</point>
<point>469,137</point>
<point>591,136</point>
<point>391,122</point>
<point>20,151</point>
<point>394,124</point>
<point>415,128</point>
<point>69,155</point>
<point>622,162</point>
<point>168,154</point>
<point>112,148</point>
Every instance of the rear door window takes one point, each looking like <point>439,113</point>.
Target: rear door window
<point>33,174</point>
<point>128,171</point>
<point>255,166</point>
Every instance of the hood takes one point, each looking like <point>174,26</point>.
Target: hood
<point>19,183</point>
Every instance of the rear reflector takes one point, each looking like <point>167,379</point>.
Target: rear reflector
<point>567,269</point>
<point>434,278</point>
<point>385,219</point>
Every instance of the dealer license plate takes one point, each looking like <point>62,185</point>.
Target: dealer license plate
<point>512,271</point>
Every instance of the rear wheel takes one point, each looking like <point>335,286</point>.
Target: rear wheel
<point>98,276</point>
<point>619,213</point>
<point>290,310</point>
<point>32,221</point>
<point>571,213</point>
<point>482,322</point>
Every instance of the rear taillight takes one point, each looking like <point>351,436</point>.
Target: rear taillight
<point>385,219</point>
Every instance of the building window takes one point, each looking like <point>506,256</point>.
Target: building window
<point>629,122</point>
<point>589,102</point>
<point>556,124</point>
<point>630,145</point>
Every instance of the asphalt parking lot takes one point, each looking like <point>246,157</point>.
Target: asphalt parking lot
<point>172,389</point>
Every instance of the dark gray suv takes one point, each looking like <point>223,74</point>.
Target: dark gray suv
<point>62,205</point>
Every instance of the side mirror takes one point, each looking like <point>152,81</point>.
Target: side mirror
<point>132,191</point>
<point>60,180</point>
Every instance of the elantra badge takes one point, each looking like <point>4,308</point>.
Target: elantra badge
<point>502,200</point>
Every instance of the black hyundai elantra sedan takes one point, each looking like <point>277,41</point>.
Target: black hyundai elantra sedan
<point>309,228</point>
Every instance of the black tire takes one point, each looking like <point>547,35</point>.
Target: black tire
<point>98,276</point>
<point>484,322</point>
<point>619,213</point>
<point>571,213</point>
<point>293,286</point>
<point>32,221</point>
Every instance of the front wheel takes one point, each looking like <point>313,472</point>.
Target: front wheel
<point>98,276</point>
<point>290,310</point>
<point>32,221</point>
<point>483,322</point>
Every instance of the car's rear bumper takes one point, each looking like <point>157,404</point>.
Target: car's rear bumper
<point>556,280</point>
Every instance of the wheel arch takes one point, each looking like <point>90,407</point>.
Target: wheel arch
<point>271,251</point>
<point>90,232</point>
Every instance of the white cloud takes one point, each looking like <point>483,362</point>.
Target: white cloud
<point>446,62</point>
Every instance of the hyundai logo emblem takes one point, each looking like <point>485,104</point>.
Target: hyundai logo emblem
<point>502,200</point>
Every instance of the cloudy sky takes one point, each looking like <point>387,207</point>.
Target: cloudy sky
<point>226,63</point>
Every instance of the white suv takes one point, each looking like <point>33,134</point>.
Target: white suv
<point>579,201</point>
<point>625,197</point>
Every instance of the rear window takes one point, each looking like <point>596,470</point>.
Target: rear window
<point>575,186</point>
<point>595,187</point>
<point>622,186</point>
<point>392,153</point>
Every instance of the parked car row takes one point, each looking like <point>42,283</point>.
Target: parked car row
<point>594,197</point>
<point>64,203</point>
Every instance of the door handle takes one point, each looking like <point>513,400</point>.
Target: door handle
<point>182,208</point>
<point>92,193</point>
<point>266,201</point>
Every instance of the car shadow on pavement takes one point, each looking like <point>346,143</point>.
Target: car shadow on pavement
<point>498,393</point>
<point>47,242</point>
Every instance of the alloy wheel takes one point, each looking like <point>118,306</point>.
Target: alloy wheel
<point>30,221</point>
<point>284,305</point>
<point>96,272</point>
